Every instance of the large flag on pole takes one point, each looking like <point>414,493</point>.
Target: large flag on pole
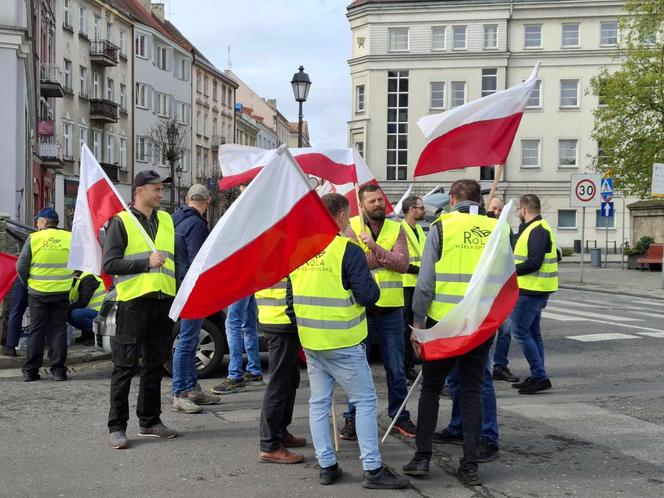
<point>490,297</point>
<point>479,133</point>
<point>275,226</point>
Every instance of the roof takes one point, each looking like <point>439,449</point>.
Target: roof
<point>136,10</point>
<point>359,3</point>
<point>204,61</point>
<point>292,127</point>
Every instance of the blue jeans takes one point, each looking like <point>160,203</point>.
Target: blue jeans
<point>19,303</point>
<point>184,357</point>
<point>350,369</point>
<point>81,318</point>
<point>388,329</point>
<point>526,330</point>
<point>489,430</point>
<point>503,339</point>
<point>242,335</point>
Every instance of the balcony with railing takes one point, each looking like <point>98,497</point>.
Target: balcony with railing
<point>50,153</point>
<point>103,110</point>
<point>103,53</point>
<point>51,80</point>
<point>216,141</point>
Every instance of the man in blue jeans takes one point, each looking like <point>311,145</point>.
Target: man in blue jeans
<point>190,233</point>
<point>19,303</point>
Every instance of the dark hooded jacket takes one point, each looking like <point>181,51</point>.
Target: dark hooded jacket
<point>191,230</point>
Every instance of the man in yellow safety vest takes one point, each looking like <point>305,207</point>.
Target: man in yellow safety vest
<point>86,297</point>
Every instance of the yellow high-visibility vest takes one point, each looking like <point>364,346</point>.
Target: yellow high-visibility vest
<point>464,238</point>
<point>389,281</point>
<point>327,315</point>
<point>415,250</point>
<point>272,305</point>
<point>159,279</point>
<point>546,278</point>
<point>97,297</point>
<point>48,266</point>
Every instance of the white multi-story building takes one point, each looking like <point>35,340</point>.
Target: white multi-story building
<point>410,59</point>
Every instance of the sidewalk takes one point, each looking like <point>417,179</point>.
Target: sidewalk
<point>76,354</point>
<point>612,280</point>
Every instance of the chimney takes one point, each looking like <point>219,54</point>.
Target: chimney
<point>158,10</point>
<point>146,4</point>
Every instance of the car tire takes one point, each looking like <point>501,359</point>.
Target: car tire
<point>209,351</point>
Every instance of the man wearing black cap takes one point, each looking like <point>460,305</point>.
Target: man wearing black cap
<point>145,284</point>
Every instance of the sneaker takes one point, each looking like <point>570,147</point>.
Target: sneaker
<point>183,404</point>
<point>383,478</point>
<point>282,455</point>
<point>488,452</point>
<point>200,397</point>
<point>290,441</point>
<point>416,467</point>
<point>406,428</point>
<point>535,386</point>
<point>468,474</point>
<point>30,376</point>
<point>118,440</point>
<point>9,351</point>
<point>348,432</point>
<point>252,379</point>
<point>157,430</point>
<point>330,475</point>
<point>59,376</point>
<point>229,386</point>
<point>503,373</point>
<point>444,437</point>
<point>411,374</point>
<point>523,384</point>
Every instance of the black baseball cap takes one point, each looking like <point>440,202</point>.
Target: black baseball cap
<point>148,176</point>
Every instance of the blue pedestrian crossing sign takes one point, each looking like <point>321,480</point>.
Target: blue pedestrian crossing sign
<point>606,189</point>
<point>606,211</point>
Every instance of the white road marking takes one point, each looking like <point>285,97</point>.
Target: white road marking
<point>602,337</point>
<point>648,303</point>
<point>594,315</point>
<point>562,318</point>
<point>580,305</point>
<point>652,334</point>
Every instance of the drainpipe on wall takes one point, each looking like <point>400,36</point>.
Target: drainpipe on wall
<point>509,53</point>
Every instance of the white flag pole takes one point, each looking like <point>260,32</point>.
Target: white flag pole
<point>402,407</point>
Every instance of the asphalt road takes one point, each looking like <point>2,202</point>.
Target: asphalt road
<point>599,432</point>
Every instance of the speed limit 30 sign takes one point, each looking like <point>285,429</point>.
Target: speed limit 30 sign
<point>585,190</point>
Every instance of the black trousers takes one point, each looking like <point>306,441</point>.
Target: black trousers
<point>279,397</point>
<point>408,315</point>
<point>48,322</point>
<point>471,373</point>
<point>143,330</point>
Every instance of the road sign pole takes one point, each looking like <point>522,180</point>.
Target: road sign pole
<point>583,238</point>
<point>606,242</point>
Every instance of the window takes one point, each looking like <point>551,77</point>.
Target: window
<point>199,80</point>
<point>199,127</point>
<point>489,81</point>
<point>533,36</point>
<point>180,110</point>
<point>67,136</point>
<point>143,149</point>
<point>567,218</point>
<point>604,222</point>
<point>437,95</point>
<point>570,35</point>
<point>214,127</point>
<point>140,46</point>
<point>397,125</point>
<point>66,21</point>
<point>535,99</point>
<point>162,109</point>
<point>567,153</point>
<point>205,85</point>
<point>458,37</point>
<point>82,24</point>
<point>359,98</point>
<point>457,93</point>
<point>648,39</point>
<point>487,173</point>
<point>82,136</point>
<point>569,93</point>
<point>141,97</point>
<point>205,120</point>
<point>608,33</point>
<point>123,42</point>
<point>123,153</point>
<point>230,97</point>
<point>123,97</point>
<point>110,149</point>
<point>83,80</point>
<point>491,36</point>
<point>438,38</point>
<point>360,148</point>
<point>183,70</point>
<point>96,144</point>
<point>67,71</point>
<point>96,86</point>
<point>96,28</point>
<point>110,89</point>
<point>214,90</point>
<point>162,58</point>
<point>109,31</point>
<point>530,153</point>
<point>398,38</point>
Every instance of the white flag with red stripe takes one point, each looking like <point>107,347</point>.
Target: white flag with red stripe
<point>490,297</point>
<point>276,225</point>
<point>479,133</point>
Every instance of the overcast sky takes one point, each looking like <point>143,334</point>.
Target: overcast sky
<point>269,39</point>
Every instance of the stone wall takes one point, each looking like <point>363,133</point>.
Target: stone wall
<point>647,218</point>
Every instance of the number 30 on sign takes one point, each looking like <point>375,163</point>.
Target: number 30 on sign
<point>584,190</point>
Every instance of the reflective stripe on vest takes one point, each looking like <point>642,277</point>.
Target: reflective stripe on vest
<point>97,298</point>
<point>272,305</point>
<point>415,251</point>
<point>48,266</point>
<point>546,278</point>
<point>327,315</point>
<point>159,279</point>
<point>464,238</point>
<point>390,282</point>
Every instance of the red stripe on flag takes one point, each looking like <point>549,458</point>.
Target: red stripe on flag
<point>7,273</point>
<point>456,346</point>
<point>239,179</point>
<point>322,166</point>
<point>103,203</point>
<point>482,143</point>
<point>262,262</point>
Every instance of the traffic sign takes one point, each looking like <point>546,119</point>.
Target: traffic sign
<point>606,211</point>
<point>584,190</point>
<point>657,187</point>
<point>606,189</point>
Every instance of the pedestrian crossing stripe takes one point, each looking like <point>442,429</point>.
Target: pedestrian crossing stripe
<point>602,337</point>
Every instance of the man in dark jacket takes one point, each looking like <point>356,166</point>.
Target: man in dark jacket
<point>82,310</point>
<point>191,230</point>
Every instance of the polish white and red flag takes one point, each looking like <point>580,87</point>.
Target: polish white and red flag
<point>479,133</point>
<point>490,297</point>
<point>333,170</point>
<point>276,225</point>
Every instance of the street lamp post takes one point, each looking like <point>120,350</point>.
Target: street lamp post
<point>179,173</point>
<point>301,85</point>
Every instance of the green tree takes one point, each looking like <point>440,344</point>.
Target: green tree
<point>629,122</point>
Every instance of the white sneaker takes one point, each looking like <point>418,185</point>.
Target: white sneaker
<point>185,405</point>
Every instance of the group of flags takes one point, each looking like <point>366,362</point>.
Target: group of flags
<point>279,222</point>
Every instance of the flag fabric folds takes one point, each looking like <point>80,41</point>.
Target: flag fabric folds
<point>7,273</point>
<point>479,133</point>
<point>276,225</point>
<point>490,297</point>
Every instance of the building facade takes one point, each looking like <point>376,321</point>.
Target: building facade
<point>410,59</point>
<point>294,134</point>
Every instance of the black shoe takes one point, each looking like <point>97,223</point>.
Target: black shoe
<point>416,468</point>
<point>30,376</point>
<point>384,478</point>
<point>445,392</point>
<point>406,428</point>
<point>59,376</point>
<point>9,351</point>
<point>348,432</point>
<point>488,452</point>
<point>536,386</point>
<point>444,437</point>
<point>468,474</point>
<point>330,475</point>
<point>411,374</point>
<point>523,384</point>
<point>503,373</point>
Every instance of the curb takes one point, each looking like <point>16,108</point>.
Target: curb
<point>7,362</point>
<point>597,288</point>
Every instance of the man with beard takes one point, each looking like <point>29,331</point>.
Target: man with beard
<point>386,249</point>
